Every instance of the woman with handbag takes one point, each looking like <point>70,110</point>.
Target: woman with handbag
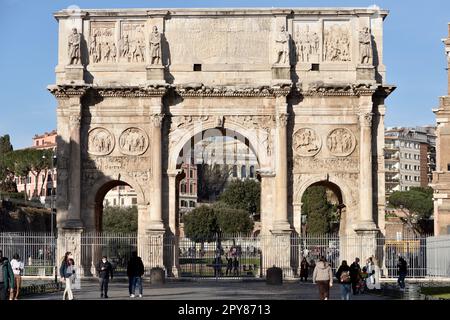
<point>67,273</point>
<point>373,281</point>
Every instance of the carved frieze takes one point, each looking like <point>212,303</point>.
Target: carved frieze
<point>307,41</point>
<point>313,164</point>
<point>111,163</point>
<point>133,141</point>
<point>100,142</point>
<point>306,142</point>
<point>341,142</point>
<point>132,45</point>
<point>102,44</point>
<point>336,44</point>
<point>185,121</point>
<point>200,90</point>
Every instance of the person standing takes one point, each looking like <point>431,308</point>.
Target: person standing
<point>402,268</point>
<point>355,270</point>
<point>67,273</point>
<point>135,271</point>
<point>343,276</point>
<point>229,262</point>
<point>105,271</point>
<point>304,269</point>
<point>6,277</point>
<point>373,271</point>
<point>323,276</point>
<point>17,267</point>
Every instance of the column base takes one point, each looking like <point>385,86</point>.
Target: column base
<point>155,74</point>
<point>364,227</point>
<point>281,71</point>
<point>281,228</point>
<point>365,72</point>
<point>71,224</point>
<point>155,227</point>
<point>75,74</point>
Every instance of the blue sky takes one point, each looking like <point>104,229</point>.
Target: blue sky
<point>413,54</point>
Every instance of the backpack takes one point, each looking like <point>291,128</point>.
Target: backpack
<point>345,277</point>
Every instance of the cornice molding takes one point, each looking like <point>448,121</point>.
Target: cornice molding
<point>263,91</point>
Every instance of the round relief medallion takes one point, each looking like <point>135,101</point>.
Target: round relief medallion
<point>100,142</point>
<point>341,142</point>
<point>133,141</point>
<point>306,142</point>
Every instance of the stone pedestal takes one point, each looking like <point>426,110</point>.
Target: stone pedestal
<point>366,244</point>
<point>276,251</point>
<point>69,240</point>
<point>155,74</point>
<point>281,72</point>
<point>365,72</point>
<point>154,249</point>
<point>75,74</point>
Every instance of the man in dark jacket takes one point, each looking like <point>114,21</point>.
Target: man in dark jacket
<point>6,277</point>
<point>355,271</point>
<point>135,271</point>
<point>402,271</point>
<point>105,271</point>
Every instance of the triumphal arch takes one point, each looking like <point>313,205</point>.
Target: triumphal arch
<point>304,87</point>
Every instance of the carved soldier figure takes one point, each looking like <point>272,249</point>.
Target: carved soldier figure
<point>125,47</point>
<point>365,47</point>
<point>282,42</point>
<point>155,46</point>
<point>74,47</point>
<point>93,49</point>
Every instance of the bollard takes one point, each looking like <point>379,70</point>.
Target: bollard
<point>157,276</point>
<point>274,276</point>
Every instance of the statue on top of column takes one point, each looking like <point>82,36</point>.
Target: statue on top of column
<point>74,47</point>
<point>155,46</point>
<point>365,47</point>
<point>282,45</point>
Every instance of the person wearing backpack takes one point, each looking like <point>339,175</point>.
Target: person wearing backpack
<point>343,276</point>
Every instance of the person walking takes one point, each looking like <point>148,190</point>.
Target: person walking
<point>355,270</point>
<point>105,271</point>
<point>135,271</point>
<point>402,268</point>
<point>6,277</point>
<point>17,267</point>
<point>67,274</point>
<point>304,269</point>
<point>229,262</point>
<point>343,276</point>
<point>323,276</point>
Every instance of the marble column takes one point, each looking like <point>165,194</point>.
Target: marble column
<point>74,210</point>
<point>156,222</point>
<point>172,176</point>
<point>365,180</point>
<point>281,222</point>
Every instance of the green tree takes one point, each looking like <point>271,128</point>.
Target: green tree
<point>5,144</point>
<point>231,220</point>
<point>243,195</point>
<point>318,210</point>
<point>117,219</point>
<point>416,204</point>
<point>200,225</point>
<point>211,181</point>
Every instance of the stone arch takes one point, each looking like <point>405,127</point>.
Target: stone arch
<point>255,144</point>
<point>98,191</point>
<point>336,184</point>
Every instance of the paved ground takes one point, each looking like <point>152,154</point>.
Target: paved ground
<point>207,290</point>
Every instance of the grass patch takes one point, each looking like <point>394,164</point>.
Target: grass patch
<point>438,292</point>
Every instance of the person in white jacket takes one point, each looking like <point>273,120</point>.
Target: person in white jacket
<point>323,276</point>
<point>17,267</point>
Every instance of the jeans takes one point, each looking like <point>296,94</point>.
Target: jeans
<point>137,281</point>
<point>345,291</point>
<point>401,279</point>
<point>104,285</point>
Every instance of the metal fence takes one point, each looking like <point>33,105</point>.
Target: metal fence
<point>235,256</point>
<point>36,250</point>
<point>438,256</point>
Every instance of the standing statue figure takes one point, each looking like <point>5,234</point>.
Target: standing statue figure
<point>93,49</point>
<point>155,46</point>
<point>74,47</point>
<point>282,42</point>
<point>365,47</point>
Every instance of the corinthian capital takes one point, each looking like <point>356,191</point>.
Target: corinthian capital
<point>157,119</point>
<point>282,119</point>
<point>365,119</point>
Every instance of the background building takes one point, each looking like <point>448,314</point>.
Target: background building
<point>46,180</point>
<point>410,155</point>
<point>441,176</point>
<point>120,196</point>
